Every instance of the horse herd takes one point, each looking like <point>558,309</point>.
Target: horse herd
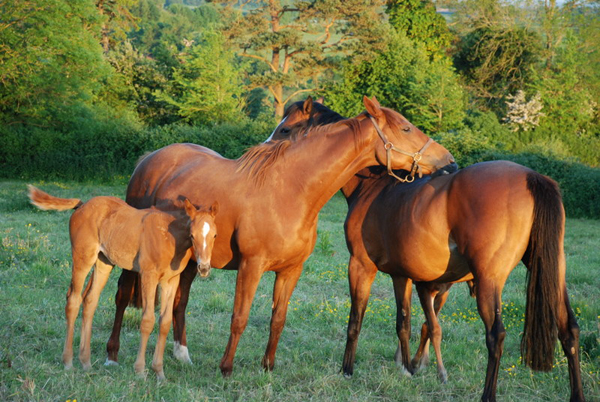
<point>411,214</point>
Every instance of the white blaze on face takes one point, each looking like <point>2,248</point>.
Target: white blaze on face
<point>273,133</point>
<point>205,230</point>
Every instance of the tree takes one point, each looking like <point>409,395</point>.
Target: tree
<point>421,23</point>
<point>50,58</point>
<point>404,78</point>
<point>207,86</point>
<point>294,42</point>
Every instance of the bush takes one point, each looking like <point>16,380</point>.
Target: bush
<point>103,151</point>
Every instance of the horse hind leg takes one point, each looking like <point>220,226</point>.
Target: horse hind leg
<point>568,333</point>
<point>80,270</point>
<point>180,349</point>
<point>90,302</point>
<point>125,293</point>
<point>489,304</point>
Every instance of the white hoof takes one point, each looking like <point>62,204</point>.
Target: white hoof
<point>109,362</point>
<point>181,353</point>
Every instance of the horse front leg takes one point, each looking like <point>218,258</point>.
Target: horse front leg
<point>248,278</point>
<point>360,276</point>
<point>285,283</point>
<point>180,349</point>
<point>403,293</point>
<point>125,292</point>
<point>168,289</point>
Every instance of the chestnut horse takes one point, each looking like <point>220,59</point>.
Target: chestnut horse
<point>105,232</point>
<point>476,224</point>
<point>271,197</point>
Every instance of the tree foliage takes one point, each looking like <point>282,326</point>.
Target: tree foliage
<point>294,43</point>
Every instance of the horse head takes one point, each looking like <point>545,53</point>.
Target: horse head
<point>203,232</point>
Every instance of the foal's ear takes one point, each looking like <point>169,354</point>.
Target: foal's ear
<point>214,208</point>
<point>190,209</point>
<point>373,107</point>
<point>321,100</point>
<point>307,107</point>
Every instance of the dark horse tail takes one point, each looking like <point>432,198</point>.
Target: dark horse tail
<point>542,260</point>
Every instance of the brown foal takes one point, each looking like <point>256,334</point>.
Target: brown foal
<point>105,232</point>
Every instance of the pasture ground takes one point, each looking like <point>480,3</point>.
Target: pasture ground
<point>35,274</point>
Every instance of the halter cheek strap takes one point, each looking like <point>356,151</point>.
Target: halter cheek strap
<point>389,147</point>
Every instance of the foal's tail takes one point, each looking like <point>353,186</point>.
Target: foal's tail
<point>46,201</point>
<point>542,260</point>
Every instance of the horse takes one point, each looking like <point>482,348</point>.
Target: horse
<point>271,197</point>
<point>472,225</point>
<point>105,232</point>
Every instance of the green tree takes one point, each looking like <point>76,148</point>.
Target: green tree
<point>207,86</point>
<point>294,42</point>
<point>404,78</point>
<point>50,58</point>
<point>421,23</point>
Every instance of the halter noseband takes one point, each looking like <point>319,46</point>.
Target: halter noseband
<point>389,147</point>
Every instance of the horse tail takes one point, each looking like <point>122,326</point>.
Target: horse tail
<point>542,260</point>
<point>46,201</point>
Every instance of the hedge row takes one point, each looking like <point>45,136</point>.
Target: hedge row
<point>38,153</point>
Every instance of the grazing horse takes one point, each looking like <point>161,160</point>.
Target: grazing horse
<point>271,198</point>
<point>105,232</point>
<point>476,224</point>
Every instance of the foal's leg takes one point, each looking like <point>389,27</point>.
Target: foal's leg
<point>361,275</point>
<point>126,288</point>
<point>90,302</point>
<point>81,267</point>
<point>285,283</point>
<point>148,286</point>
<point>168,289</point>
<point>248,278</point>
<point>180,349</point>
<point>403,293</point>
<point>427,295</point>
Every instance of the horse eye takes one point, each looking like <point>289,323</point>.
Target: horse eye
<point>406,129</point>
<point>285,130</point>
<point>215,236</point>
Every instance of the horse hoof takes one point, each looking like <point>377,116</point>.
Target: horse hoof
<point>182,353</point>
<point>109,363</point>
<point>68,366</point>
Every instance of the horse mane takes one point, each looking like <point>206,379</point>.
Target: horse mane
<point>259,158</point>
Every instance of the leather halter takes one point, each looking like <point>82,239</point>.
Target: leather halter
<point>389,147</point>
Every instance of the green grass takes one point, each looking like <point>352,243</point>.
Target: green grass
<point>35,273</point>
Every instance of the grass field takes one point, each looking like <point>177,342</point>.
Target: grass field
<point>35,274</point>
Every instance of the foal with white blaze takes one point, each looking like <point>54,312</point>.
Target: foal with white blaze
<point>105,232</point>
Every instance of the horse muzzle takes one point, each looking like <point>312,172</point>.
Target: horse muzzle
<point>444,170</point>
<point>203,269</point>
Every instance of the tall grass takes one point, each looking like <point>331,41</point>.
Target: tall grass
<point>35,273</point>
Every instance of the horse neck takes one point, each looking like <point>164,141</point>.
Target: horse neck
<point>324,162</point>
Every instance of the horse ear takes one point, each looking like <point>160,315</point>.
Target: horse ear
<point>308,105</point>
<point>373,107</point>
<point>214,209</point>
<point>321,100</point>
<point>190,209</point>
